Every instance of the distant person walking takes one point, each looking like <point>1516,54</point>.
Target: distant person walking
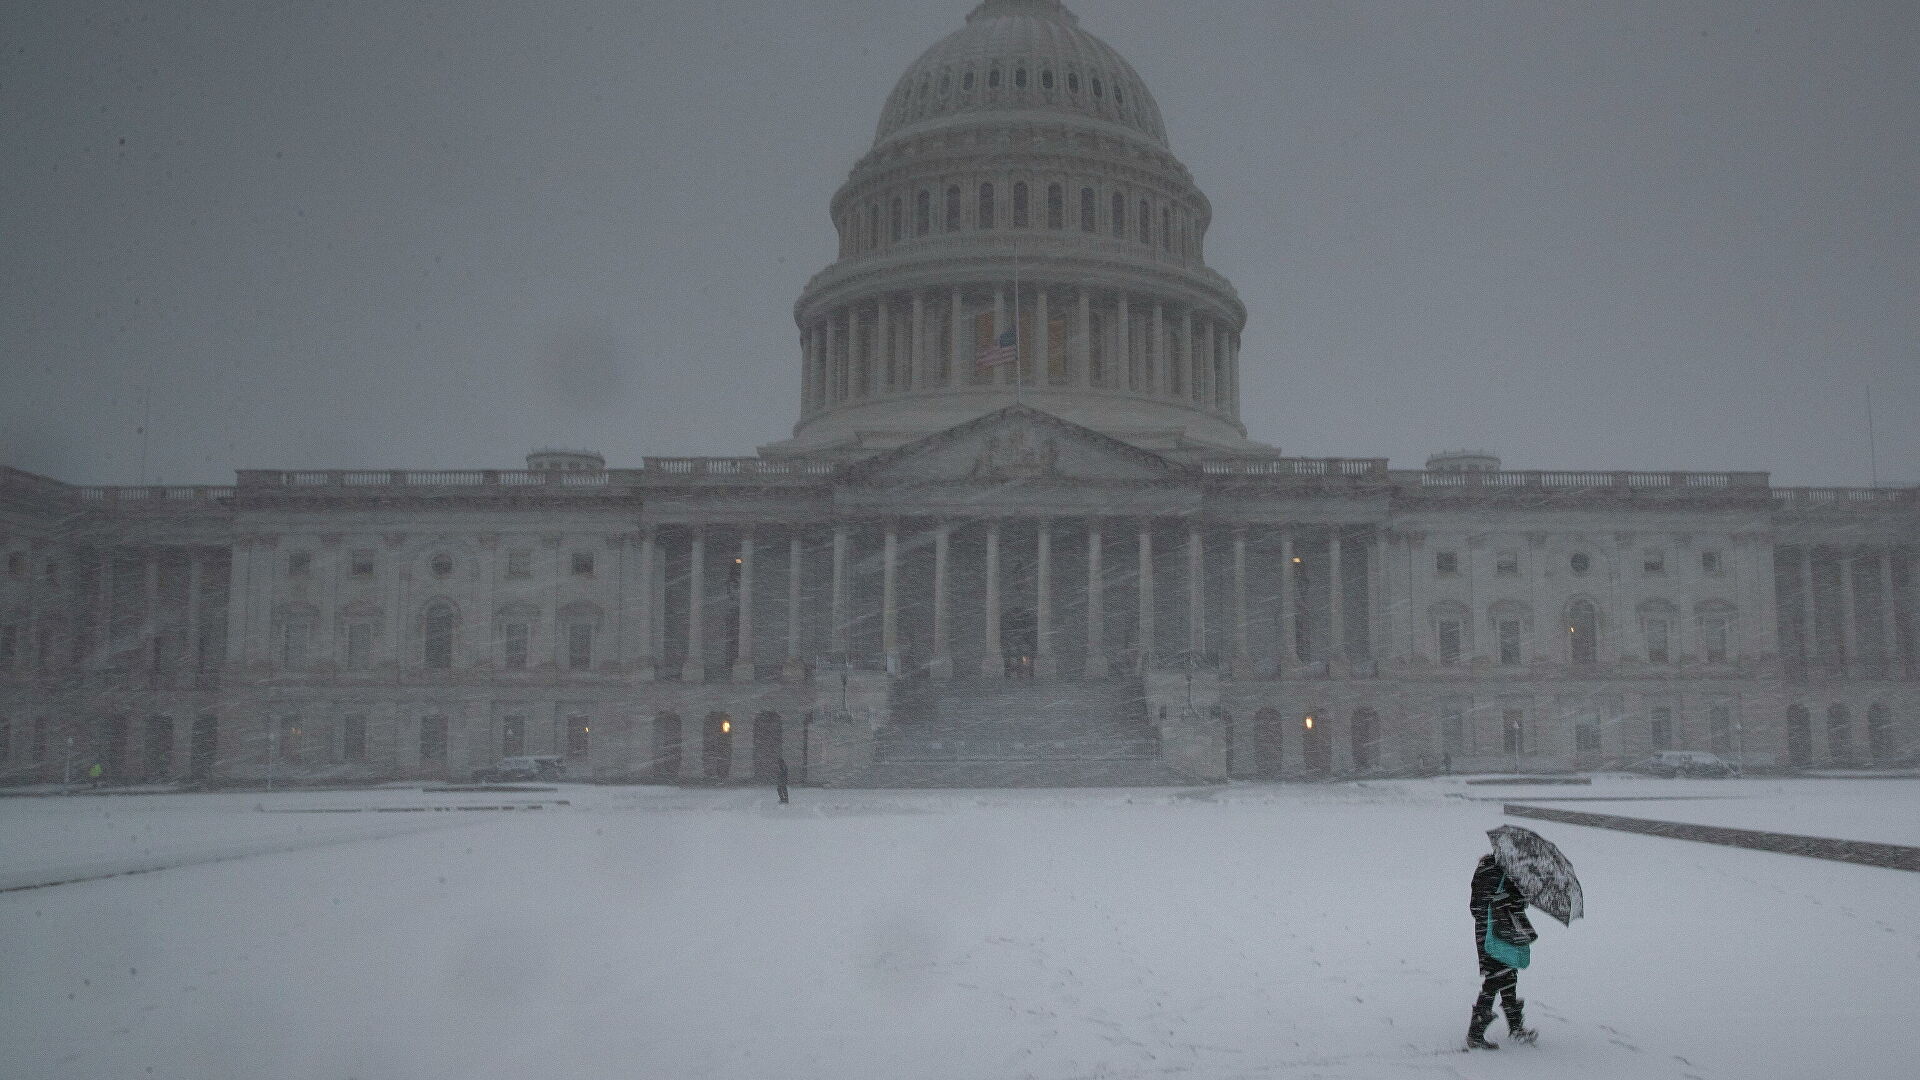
<point>93,775</point>
<point>782,784</point>
<point>1499,914</point>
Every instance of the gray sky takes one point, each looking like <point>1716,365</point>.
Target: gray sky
<point>1608,234</point>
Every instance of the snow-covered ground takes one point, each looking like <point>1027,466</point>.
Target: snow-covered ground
<point>1249,931</point>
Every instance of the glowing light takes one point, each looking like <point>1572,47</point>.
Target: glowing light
<point>1296,558</point>
<point>1309,723</point>
<point>726,727</point>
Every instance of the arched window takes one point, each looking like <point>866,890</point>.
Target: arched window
<point>1119,216</point>
<point>898,222</point>
<point>1020,220</point>
<point>953,209</point>
<point>923,213</point>
<point>437,636</point>
<point>1073,82</point>
<point>1146,222</point>
<point>1056,206</point>
<point>1046,78</point>
<point>433,740</point>
<point>1880,740</point>
<point>986,206</point>
<point>1583,632</point>
<point>1087,203</point>
<point>993,78</point>
<point>1839,734</point>
<point>873,226</point>
<point>1166,230</point>
<point>1020,78</point>
<point>966,81</point>
<point>1099,89</point>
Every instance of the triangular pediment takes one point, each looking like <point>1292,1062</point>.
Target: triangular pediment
<point>1014,445</point>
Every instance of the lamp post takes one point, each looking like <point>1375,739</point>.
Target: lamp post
<point>273,742</point>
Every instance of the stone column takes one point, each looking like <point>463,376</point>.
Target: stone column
<point>150,617</point>
<point>1157,352</point>
<point>999,373</point>
<point>1096,606</point>
<point>880,372</point>
<point>1209,397</point>
<point>643,618</point>
<point>399,620</point>
<point>1196,594</point>
<point>695,668</point>
<point>1045,665</point>
<point>1289,617</point>
<point>994,664</point>
<point>1126,377</point>
<point>1336,606</point>
<point>1889,617</point>
<point>1809,611</point>
<point>890,598</point>
<point>1041,342</point>
<point>835,383</point>
<point>957,347</point>
<point>1849,632</point>
<point>942,666</point>
<point>1242,656</point>
<point>1146,644</point>
<point>194,585</point>
<point>103,607</point>
<point>743,658</point>
<point>838,608</point>
<point>1189,361</point>
<point>794,669</point>
<point>1083,339</point>
<point>919,377</point>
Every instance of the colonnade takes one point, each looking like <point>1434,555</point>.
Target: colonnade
<point>1845,649</point>
<point>1071,337</point>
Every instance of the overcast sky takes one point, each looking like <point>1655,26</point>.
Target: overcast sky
<point>437,233</point>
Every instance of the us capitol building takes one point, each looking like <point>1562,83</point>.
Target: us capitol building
<point>1019,535</point>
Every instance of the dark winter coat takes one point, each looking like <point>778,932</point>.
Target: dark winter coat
<point>1493,891</point>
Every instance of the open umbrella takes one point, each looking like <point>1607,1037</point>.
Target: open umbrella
<point>1544,876</point>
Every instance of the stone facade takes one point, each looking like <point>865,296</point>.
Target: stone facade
<point>1069,567</point>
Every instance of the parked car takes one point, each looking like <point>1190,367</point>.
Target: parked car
<point>529,767</point>
<point>1672,763</point>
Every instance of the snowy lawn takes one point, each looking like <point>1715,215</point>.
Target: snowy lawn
<point>1289,931</point>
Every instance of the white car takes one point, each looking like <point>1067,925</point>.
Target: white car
<point>1672,763</point>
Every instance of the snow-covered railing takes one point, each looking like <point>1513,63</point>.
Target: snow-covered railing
<point>734,467</point>
<point>1804,498</point>
<point>1632,481</point>
<point>1298,467</point>
<point>420,478</point>
<point>164,493</point>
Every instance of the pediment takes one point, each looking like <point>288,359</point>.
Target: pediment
<point>1016,445</point>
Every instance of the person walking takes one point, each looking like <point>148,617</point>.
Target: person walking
<point>782,788</point>
<point>1499,910</point>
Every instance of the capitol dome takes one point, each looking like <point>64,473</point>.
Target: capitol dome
<point>1020,230</point>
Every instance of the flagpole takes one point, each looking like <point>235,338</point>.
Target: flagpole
<point>1018,376</point>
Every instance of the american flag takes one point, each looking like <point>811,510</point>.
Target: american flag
<point>1004,349</point>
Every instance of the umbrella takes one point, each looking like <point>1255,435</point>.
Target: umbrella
<point>1544,875</point>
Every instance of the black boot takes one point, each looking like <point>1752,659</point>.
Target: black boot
<point>1517,1028</point>
<point>1477,1031</point>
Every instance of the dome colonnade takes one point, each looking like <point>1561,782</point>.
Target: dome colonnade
<point>1020,179</point>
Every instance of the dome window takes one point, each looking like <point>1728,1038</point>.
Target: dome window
<point>1119,216</point>
<point>1146,222</point>
<point>441,565</point>
<point>953,209</point>
<point>1073,82</point>
<point>993,78</point>
<point>1098,89</point>
<point>986,206</point>
<point>1119,97</point>
<point>923,213</point>
<point>1056,207</point>
<point>1046,78</point>
<point>946,83</point>
<point>1087,206</point>
<point>896,223</point>
<point>966,81</point>
<point>1020,78</point>
<point>1020,219</point>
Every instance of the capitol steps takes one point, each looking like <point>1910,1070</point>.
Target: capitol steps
<point>1020,733</point>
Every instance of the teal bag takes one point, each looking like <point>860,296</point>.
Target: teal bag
<point>1502,950</point>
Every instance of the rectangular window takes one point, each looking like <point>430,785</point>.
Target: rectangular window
<point>359,646</point>
<point>513,645</point>
<point>1507,565</point>
<point>1449,632</point>
<point>1660,727</point>
<point>583,564</point>
<point>9,645</point>
<point>1586,731</point>
<point>433,740</point>
<point>1513,730</point>
<point>519,563</point>
<point>16,564</point>
<point>1713,638</point>
<point>293,644</point>
<point>513,736</point>
<point>1720,729</point>
<point>1653,561</point>
<point>580,646</point>
<point>1657,635</point>
<point>353,738</point>
<point>1509,641</point>
<point>299,563</point>
<point>1711,563</point>
<point>360,563</point>
<point>1453,731</point>
<point>1446,563</point>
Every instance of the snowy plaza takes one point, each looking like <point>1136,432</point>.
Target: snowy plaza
<point>1214,932</point>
